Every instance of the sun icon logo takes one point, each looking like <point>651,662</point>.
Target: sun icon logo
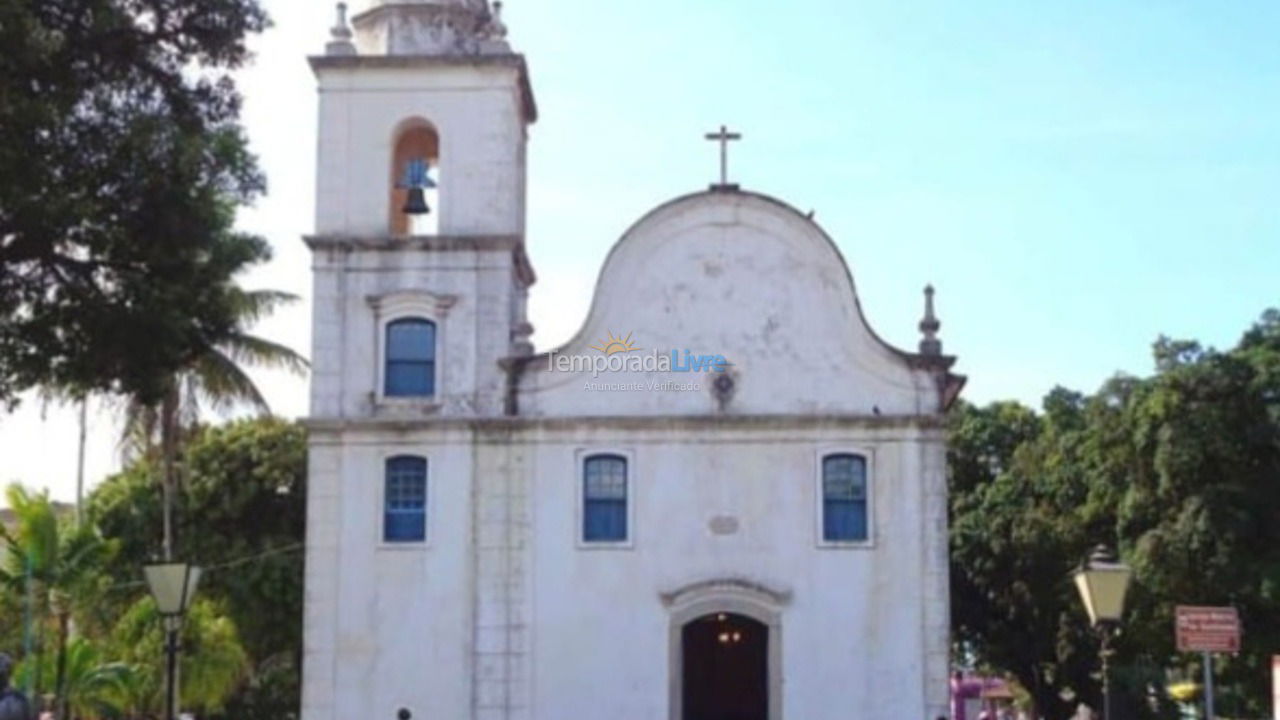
<point>616,345</point>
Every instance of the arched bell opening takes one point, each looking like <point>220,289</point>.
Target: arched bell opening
<point>415,179</point>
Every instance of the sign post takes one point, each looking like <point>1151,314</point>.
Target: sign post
<point>1275,687</point>
<point>1208,630</point>
<point>1208,685</point>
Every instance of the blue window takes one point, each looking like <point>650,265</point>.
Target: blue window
<point>411,358</point>
<point>844,498</point>
<point>405,511</point>
<point>604,497</point>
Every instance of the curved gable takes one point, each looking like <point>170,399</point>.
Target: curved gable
<point>738,276</point>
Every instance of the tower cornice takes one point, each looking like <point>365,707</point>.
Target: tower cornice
<point>529,106</point>
<point>430,243</point>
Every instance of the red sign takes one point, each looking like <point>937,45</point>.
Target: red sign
<point>1208,629</point>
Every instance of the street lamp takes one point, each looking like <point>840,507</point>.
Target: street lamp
<point>172,585</point>
<point>1103,581</point>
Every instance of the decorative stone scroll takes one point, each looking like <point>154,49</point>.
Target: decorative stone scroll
<point>431,27</point>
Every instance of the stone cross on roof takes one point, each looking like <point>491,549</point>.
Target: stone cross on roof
<point>724,137</point>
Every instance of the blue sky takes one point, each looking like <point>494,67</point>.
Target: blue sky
<point>1075,178</point>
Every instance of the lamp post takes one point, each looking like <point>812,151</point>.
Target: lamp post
<point>172,585</point>
<point>1103,582</point>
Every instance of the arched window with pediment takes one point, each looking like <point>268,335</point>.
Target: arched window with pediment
<point>415,179</point>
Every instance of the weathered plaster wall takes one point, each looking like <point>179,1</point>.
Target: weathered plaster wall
<point>505,614</point>
<point>744,276</point>
<point>477,111</point>
<point>469,291</point>
<point>855,622</point>
<point>388,626</point>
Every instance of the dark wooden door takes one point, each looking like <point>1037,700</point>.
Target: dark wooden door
<point>725,668</point>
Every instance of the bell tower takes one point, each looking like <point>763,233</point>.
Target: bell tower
<point>420,266</point>
<point>431,80</point>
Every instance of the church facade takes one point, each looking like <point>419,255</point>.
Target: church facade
<point>723,499</point>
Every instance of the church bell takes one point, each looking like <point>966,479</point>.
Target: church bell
<point>416,181</point>
<point>416,202</point>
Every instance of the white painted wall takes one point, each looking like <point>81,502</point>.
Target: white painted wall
<point>852,631</point>
<point>745,276</point>
<point>475,300</point>
<point>387,626</point>
<point>477,111</point>
<point>503,614</point>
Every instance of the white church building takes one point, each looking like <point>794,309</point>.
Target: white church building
<point>723,499</point>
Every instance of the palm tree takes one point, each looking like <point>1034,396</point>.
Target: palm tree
<point>213,665</point>
<point>52,562</point>
<point>92,688</point>
<point>29,544</point>
<point>214,378</point>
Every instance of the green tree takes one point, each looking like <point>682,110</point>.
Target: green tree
<point>52,562</point>
<point>121,166</point>
<point>11,608</point>
<point>213,377</point>
<point>1013,541</point>
<point>243,518</point>
<point>1200,513</point>
<point>1181,471</point>
<point>93,687</point>
<point>213,663</point>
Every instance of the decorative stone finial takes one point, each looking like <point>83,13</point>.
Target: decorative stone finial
<point>340,29</point>
<point>496,29</point>
<point>341,34</point>
<point>431,27</point>
<point>929,326</point>
<point>493,33</point>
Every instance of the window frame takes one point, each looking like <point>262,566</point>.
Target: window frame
<point>387,359</point>
<point>820,539</point>
<point>428,498</point>
<point>408,305</point>
<point>580,499</point>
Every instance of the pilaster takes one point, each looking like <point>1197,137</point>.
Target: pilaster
<point>936,580</point>
<point>320,603</point>
<point>501,525</point>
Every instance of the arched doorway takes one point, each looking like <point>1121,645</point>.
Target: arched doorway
<point>755,610</point>
<point>725,668</point>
